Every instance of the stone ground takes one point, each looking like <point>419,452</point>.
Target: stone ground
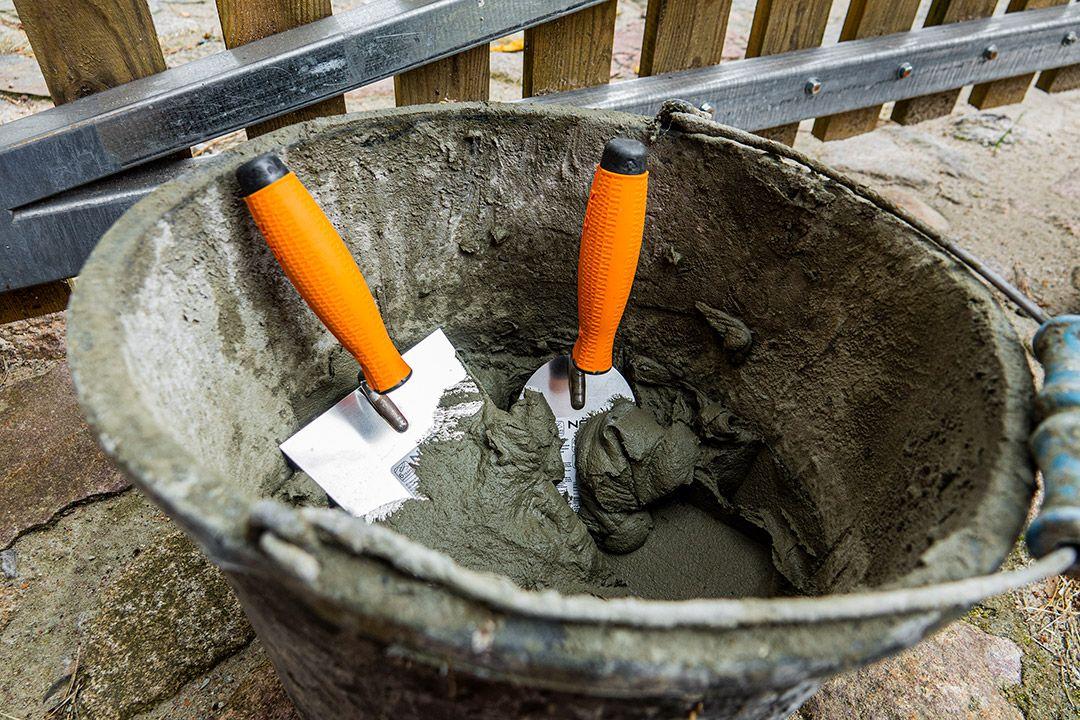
<point>107,611</point>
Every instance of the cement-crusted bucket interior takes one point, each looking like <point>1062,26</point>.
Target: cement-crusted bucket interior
<point>886,386</point>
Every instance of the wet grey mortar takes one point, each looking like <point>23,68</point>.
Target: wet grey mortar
<point>890,390</point>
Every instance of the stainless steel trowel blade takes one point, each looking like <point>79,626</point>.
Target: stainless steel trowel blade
<point>553,382</point>
<point>356,457</point>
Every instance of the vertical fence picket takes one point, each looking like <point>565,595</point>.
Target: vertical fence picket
<point>570,52</point>
<point>464,76</point>
<point>683,34</point>
<point>909,112</point>
<point>1009,90</point>
<point>866,18</point>
<point>34,301</point>
<point>781,26</point>
<point>82,47</point>
<point>243,21</point>
<point>1059,79</point>
<point>85,46</point>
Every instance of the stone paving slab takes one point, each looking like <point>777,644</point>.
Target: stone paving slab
<point>243,687</point>
<point>49,458</point>
<point>116,592</point>
<point>31,347</point>
<point>21,75</point>
<point>960,673</point>
<point>61,573</point>
<point>168,617</point>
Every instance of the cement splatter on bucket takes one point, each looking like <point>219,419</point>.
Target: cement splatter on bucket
<point>889,391</point>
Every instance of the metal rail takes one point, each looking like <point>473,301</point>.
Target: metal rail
<point>116,129</point>
<point>56,167</point>
<point>767,91</point>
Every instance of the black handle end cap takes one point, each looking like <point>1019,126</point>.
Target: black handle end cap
<point>259,172</point>
<point>624,156</point>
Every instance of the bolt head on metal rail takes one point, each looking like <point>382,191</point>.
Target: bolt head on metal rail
<point>1070,38</point>
<point>990,52</point>
<point>904,70</point>
<point>813,86</point>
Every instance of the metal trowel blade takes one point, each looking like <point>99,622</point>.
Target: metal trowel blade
<point>356,457</point>
<point>553,382</point>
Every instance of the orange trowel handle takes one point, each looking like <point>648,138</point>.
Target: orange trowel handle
<point>610,245</point>
<point>321,268</point>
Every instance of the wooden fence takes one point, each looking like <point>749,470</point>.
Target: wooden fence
<point>84,46</point>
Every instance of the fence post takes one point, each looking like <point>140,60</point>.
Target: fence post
<point>866,18</point>
<point>82,47</point>
<point>781,26</point>
<point>243,21</point>
<point>1059,79</point>
<point>464,76</point>
<point>570,52</point>
<point>927,107</point>
<point>85,46</point>
<point>683,34</point>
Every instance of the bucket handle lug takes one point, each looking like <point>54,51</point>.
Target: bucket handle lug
<point>285,538</point>
<point>1055,443</point>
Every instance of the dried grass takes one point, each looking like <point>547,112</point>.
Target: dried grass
<point>67,706</point>
<point>1052,612</point>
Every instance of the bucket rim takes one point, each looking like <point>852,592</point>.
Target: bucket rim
<point>219,514</point>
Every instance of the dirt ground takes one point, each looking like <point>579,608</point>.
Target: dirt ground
<point>107,611</point>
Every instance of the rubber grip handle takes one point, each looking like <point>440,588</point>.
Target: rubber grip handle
<point>321,268</point>
<point>1056,440</point>
<point>607,263</point>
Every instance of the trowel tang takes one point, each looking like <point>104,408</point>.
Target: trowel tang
<point>553,382</point>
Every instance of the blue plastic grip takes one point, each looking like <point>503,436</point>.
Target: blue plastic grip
<point>1056,440</point>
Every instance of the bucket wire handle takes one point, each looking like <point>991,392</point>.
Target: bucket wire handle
<point>1053,537</point>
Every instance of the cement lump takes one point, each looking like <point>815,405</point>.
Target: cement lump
<point>626,461</point>
<point>492,502</point>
